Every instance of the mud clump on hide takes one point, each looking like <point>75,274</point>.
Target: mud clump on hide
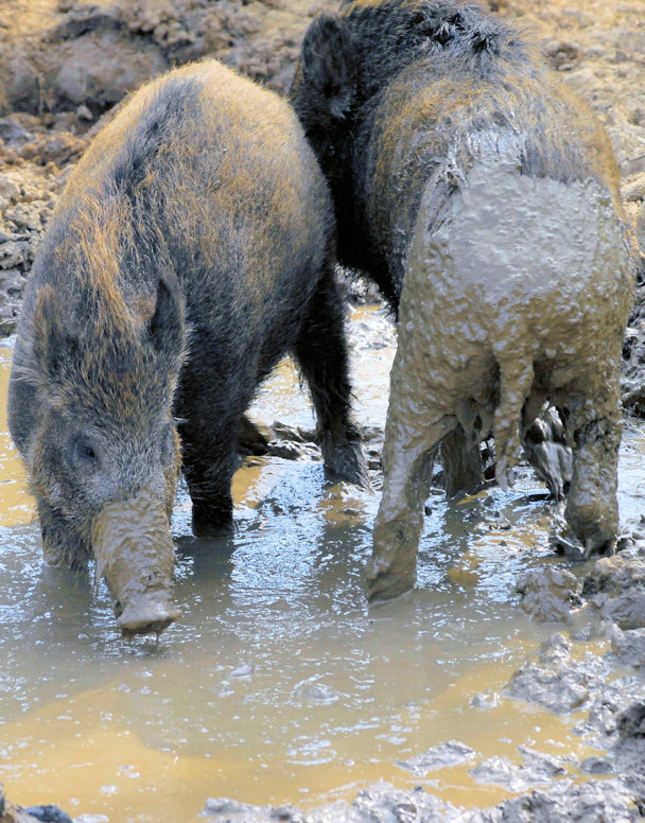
<point>193,247</point>
<point>133,550</point>
<point>482,196</point>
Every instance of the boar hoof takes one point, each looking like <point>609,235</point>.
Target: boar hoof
<point>214,531</point>
<point>344,460</point>
<point>146,616</point>
<point>383,583</point>
<point>574,549</point>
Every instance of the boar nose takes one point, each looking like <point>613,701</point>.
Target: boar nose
<point>149,614</point>
<point>133,550</point>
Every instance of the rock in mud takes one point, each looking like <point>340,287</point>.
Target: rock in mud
<point>49,814</point>
<point>551,681</point>
<point>10,813</point>
<point>616,723</point>
<point>629,646</point>
<point>629,750</point>
<point>616,590</point>
<point>540,763</point>
<point>602,721</point>
<point>438,757</point>
<point>499,771</point>
<point>549,594</point>
<point>596,765</point>
<point>613,575</point>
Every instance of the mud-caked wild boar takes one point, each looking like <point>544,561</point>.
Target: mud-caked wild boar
<point>482,196</point>
<point>192,247</point>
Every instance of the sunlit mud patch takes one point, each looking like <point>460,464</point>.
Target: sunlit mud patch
<point>277,684</point>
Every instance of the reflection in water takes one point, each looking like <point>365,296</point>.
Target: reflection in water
<point>277,684</point>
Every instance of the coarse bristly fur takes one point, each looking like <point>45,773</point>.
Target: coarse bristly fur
<point>192,248</point>
<point>388,91</point>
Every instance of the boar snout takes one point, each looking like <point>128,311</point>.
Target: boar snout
<point>151,613</point>
<point>133,550</point>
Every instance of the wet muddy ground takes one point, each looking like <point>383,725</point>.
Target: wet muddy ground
<point>279,686</point>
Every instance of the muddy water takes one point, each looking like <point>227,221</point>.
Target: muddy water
<point>277,683</point>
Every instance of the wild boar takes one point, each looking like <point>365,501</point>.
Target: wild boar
<point>192,248</point>
<point>482,196</point>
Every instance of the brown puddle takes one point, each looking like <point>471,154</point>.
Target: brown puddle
<point>277,684</point>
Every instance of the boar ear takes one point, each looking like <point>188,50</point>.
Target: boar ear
<point>51,343</point>
<point>327,64</point>
<point>166,326</point>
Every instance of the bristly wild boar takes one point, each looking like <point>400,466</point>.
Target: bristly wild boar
<point>192,248</point>
<point>482,196</point>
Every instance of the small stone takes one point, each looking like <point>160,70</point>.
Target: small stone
<point>549,594</point>
<point>499,771</point>
<point>596,765</point>
<point>49,814</point>
<point>83,113</point>
<point>541,763</point>
<point>629,646</point>
<point>558,689</point>
<point>13,254</point>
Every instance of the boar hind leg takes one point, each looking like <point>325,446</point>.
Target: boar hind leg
<point>413,428</point>
<point>592,508</point>
<point>322,356</point>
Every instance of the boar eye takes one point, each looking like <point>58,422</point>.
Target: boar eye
<point>83,451</point>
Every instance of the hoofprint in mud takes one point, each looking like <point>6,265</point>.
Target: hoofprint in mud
<point>483,198</point>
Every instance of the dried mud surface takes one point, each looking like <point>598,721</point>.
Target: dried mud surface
<point>65,64</point>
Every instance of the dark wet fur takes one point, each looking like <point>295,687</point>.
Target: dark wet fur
<point>185,257</point>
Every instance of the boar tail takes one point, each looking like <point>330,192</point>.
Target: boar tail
<point>516,381</point>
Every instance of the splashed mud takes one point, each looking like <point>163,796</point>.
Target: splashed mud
<point>278,684</point>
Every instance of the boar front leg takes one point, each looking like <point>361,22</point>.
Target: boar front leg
<point>208,469</point>
<point>60,549</point>
<point>209,432</point>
